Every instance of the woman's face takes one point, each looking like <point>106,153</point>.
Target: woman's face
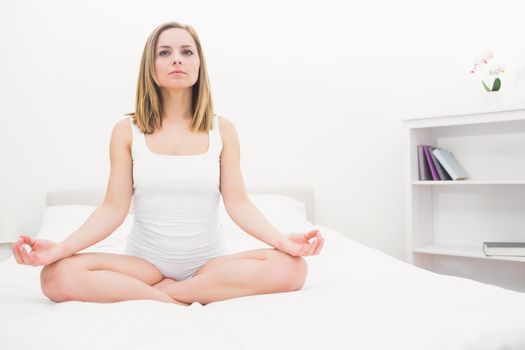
<point>176,59</point>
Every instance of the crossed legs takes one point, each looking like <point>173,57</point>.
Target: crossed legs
<point>106,277</point>
<point>259,271</point>
<point>103,278</point>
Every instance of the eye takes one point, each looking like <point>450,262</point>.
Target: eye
<point>161,52</point>
<point>188,52</point>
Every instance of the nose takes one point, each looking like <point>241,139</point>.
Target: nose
<point>177,60</point>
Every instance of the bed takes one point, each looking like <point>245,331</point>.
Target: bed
<point>355,297</point>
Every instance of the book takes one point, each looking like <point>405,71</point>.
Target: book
<point>431,165</point>
<point>450,163</point>
<point>443,175</point>
<point>504,248</point>
<point>424,170</point>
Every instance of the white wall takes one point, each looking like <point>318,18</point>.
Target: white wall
<point>317,91</point>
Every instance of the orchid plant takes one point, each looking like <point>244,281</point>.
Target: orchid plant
<point>486,65</point>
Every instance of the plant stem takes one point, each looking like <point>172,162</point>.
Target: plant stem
<point>485,77</point>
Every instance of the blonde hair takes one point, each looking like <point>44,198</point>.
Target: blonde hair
<point>148,106</point>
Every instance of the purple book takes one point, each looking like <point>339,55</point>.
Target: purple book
<point>433,170</point>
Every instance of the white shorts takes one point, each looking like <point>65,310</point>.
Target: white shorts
<point>178,266</point>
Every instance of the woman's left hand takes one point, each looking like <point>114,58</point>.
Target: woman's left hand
<point>300,245</point>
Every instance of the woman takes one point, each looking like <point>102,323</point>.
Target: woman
<point>175,158</point>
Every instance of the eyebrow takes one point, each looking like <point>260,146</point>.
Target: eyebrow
<point>169,47</point>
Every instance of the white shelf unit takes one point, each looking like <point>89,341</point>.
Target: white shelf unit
<point>447,221</point>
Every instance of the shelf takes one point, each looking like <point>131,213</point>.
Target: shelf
<point>466,119</point>
<point>467,182</point>
<point>447,221</point>
<point>462,251</point>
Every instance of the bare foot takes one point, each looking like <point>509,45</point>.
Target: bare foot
<point>179,302</point>
<point>165,285</point>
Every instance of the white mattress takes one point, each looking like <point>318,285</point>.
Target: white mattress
<point>354,297</point>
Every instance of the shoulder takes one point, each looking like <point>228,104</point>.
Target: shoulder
<point>227,129</point>
<point>228,133</point>
<point>225,124</point>
<point>122,132</point>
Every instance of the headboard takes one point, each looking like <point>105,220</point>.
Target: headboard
<point>95,197</point>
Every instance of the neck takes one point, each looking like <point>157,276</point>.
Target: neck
<point>176,106</point>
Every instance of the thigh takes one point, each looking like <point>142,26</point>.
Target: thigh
<point>259,254</point>
<point>125,264</point>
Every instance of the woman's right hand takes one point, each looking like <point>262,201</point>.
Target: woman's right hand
<point>43,252</point>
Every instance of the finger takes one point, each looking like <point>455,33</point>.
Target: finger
<point>314,245</point>
<point>35,260</point>
<point>302,238</point>
<point>304,248</point>
<point>320,246</point>
<point>20,250</point>
<point>28,240</point>
<point>32,258</point>
<point>318,238</point>
<point>311,234</point>
<point>15,253</point>
<point>24,255</point>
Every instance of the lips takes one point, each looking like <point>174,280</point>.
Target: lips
<point>177,71</point>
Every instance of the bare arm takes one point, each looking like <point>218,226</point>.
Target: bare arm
<point>112,213</point>
<point>245,214</point>
<point>236,201</point>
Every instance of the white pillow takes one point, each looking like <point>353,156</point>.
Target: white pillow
<point>286,214</point>
<point>60,221</point>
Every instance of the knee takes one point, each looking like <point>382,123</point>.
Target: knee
<point>290,273</point>
<point>55,280</point>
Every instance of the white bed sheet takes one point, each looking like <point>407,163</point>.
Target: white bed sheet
<point>355,297</point>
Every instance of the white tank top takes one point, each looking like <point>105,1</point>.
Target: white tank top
<point>175,203</point>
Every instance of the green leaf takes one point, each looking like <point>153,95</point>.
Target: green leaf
<point>497,84</point>
<point>485,85</point>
